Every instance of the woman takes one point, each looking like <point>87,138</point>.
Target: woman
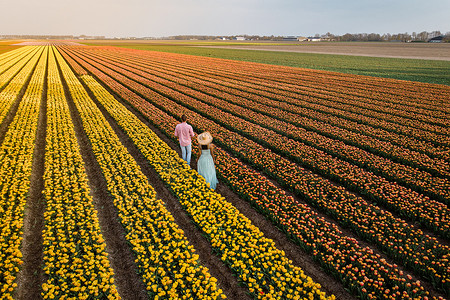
<point>205,163</point>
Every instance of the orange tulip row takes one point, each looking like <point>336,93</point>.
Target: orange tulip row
<point>165,122</point>
<point>393,93</point>
<point>169,266</point>
<point>75,260</point>
<point>221,88</point>
<point>317,98</point>
<point>415,179</point>
<point>16,158</point>
<point>402,93</point>
<point>346,103</point>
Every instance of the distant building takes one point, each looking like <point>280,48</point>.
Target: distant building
<point>436,39</point>
<point>240,38</point>
<point>290,38</point>
<point>314,39</point>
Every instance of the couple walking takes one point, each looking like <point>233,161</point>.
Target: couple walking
<point>205,162</point>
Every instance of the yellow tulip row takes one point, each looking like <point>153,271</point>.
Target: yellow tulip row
<point>8,55</point>
<point>16,157</point>
<point>15,80</point>
<point>263,268</point>
<point>11,68</point>
<point>10,58</point>
<point>169,266</point>
<point>76,264</point>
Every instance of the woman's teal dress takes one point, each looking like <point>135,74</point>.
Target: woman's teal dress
<point>206,168</point>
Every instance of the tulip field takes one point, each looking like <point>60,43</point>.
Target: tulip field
<point>353,172</point>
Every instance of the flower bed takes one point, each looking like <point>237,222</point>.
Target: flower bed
<point>390,234</point>
<point>75,260</point>
<point>16,157</point>
<point>342,262</point>
<point>167,263</point>
<point>254,258</point>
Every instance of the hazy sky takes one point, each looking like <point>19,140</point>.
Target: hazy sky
<point>159,18</point>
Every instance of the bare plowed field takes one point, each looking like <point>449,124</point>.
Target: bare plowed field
<point>431,51</point>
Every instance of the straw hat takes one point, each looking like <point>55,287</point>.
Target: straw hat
<point>204,138</point>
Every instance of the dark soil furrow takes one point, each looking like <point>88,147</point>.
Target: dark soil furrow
<point>30,277</point>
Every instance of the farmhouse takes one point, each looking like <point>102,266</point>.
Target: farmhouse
<point>314,39</point>
<point>290,38</point>
<point>436,39</point>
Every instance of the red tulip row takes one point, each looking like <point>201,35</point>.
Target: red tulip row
<point>16,158</point>
<point>324,123</point>
<point>359,268</point>
<point>393,93</point>
<point>362,103</point>
<point>418,180</point>
<point>406,90</point>
<point>284,111</point>
<point>292,123</point>
<point>309,99</point>
<point>433,214</point>
<point>317,98</point>
<point>359,125</point>
<point>389,233</point>
<point>386,96</point>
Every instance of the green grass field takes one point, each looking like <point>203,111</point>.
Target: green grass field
<point>430,71</point>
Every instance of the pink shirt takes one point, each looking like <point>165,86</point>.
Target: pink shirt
<point>184,132</point>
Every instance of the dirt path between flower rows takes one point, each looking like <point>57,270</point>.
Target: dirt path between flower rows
<point>30,278</point>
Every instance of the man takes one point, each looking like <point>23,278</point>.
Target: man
<point>184,132</point>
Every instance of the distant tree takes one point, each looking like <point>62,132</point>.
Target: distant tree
<point>434,34</point>
<point>374,37</point>
<point>402,37</point>
<point>329,36</point>
<point>446,38</point>
<point>386,37</point>
<point>347,37</point>
<point>423,36</point>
